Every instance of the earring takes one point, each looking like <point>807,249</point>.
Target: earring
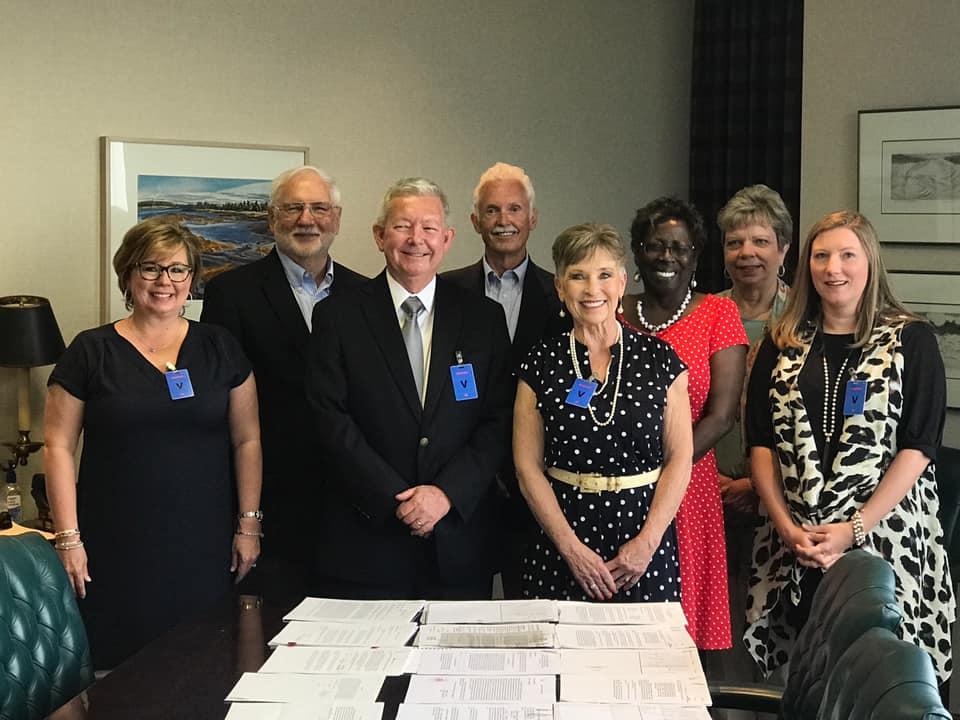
<point>620,307</point>
<point>693,283</point>
<point>562,313</point>
<point>636,276</point>
<point>726,275</point>
<point>781,272</point>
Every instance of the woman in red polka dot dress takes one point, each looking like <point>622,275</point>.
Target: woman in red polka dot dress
<point>667,237</point>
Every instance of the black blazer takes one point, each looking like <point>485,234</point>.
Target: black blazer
<point>256,304</point>
<point>539,316</point>
<point>382,441</point>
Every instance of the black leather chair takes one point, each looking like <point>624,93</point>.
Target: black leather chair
<point>44,655</point>
<point>856,594</point>
<point>881,677</point>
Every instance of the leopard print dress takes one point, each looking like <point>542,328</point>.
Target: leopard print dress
<point>909,537</point>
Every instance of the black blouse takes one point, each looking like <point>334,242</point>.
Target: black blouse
<point>924,390</point>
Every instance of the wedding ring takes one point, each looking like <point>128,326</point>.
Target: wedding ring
<point>419,523</point>
<point>593,586</point>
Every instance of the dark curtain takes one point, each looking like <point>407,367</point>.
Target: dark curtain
<point>745,112</point>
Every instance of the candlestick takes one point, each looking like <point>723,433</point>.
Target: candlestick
<point>23,399</point>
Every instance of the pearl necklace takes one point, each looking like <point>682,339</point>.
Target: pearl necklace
<point>664,325</point>
<point>830,398</point>
<point>616,387</point>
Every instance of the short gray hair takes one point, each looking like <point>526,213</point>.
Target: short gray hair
<point>412,187</point>
<point>761,205</point>
<point>582,241</point>
<point>503,171</point>
<point>281,180</point>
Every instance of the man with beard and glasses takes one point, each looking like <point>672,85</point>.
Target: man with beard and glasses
<point>268,306</point>
<point>504,214</point>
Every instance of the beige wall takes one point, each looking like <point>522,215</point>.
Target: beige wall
<point>592,98</point>
<point>872,54</point>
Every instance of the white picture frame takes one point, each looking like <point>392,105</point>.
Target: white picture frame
<point>909,173</point>
<point>936,296</point>
<point>126,164</point>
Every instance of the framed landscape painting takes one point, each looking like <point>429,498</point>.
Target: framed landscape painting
<point>909,173</point>
<point>218,191</point>
<point>936,296</point>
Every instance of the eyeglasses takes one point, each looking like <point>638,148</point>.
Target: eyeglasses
<point>178,272</point>
<point>295,210</point>
<point>656,248</point>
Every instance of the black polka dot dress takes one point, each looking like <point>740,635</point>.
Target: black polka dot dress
<point>630,445</point>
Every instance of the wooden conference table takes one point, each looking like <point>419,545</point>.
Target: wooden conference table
<point>186,673</point>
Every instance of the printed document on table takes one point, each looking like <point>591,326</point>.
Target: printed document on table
<point>490,611</point>
<point>646,637</point>
<point>337,634</point>
<point>669,661</point>
<point>584,613</point>
<point>466,661</point>
<point>661,690</point>
<point>332,610</point>
<point>515,690</point>
<point>596,711</point>
<point>304,711</point>
<point>523,635</point>
<point>412,711</point>
<point>320,689</point>
<point>339,660</point>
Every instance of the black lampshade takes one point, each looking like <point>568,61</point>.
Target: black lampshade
<point>29,335</point>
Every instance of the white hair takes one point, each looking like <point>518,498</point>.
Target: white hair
<point>503,171</point>
<point>287,175</point>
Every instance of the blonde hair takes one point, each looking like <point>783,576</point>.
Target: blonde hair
<point>803,314</point>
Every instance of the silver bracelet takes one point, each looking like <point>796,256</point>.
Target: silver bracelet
<point>66,533</point>
<point>69,545</point>
<point>255,514</point>
<point>251,534</point>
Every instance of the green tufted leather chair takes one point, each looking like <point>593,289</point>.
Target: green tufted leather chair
<point>44,655</point>
<point>881,677</point>
<point>855,595</point>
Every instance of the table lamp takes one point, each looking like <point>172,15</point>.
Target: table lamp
<point>29,337</point>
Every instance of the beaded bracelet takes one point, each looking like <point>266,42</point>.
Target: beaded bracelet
<point>66,533</point>
<point>859,536</point>
<point>69,545</point>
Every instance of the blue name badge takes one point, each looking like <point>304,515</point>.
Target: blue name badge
<point>464,383</point>
<point>178,383</point>
<point>853,398</point>
<point>581,393</point>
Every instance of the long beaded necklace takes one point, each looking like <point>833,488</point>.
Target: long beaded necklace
<point>830,397</point>
<point>616,386</point>
<point>670,321</point>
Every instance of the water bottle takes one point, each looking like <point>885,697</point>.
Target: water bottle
<point>14,501</point>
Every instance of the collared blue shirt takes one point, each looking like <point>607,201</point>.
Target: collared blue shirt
<point>305,289</point>
<point>506,289</point>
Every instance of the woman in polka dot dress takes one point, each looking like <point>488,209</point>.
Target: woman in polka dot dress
<point>602,440</point>
<point>667,237</point>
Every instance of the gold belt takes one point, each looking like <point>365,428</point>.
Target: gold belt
<point>593,483</point>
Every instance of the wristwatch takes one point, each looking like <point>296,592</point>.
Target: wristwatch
<point>256,514</point>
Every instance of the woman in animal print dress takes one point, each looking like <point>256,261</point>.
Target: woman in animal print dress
<point>845,412</point>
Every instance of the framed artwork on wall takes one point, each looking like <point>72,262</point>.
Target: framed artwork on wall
<point>936,296</point>
<point>909,173</point>
<point>218,191</point>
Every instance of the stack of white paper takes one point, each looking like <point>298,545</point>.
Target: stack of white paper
<point>500,689</point>
<point>304,711</point>
<point>584,613</point>
<point>321,689</point>
<point>340,634</point>
<point>447,661</point>
<point>339,661</point>
<point>523,635</point>
<point>645,637</point>
<point>356,611</point>
<point>437,711</point>
<point>634,690</point>
<point>490,611</point>
<point>597,711</point>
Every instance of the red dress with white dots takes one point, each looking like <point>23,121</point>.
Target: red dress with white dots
<point>712,326</point>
